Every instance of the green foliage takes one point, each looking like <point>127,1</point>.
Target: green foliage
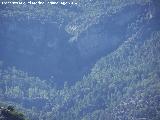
<point>123,85</point>
<point>10,113</point>
<point>110,91</point>
<point>10,108</point>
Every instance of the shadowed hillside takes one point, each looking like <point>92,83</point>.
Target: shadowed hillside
<point>107,62</point>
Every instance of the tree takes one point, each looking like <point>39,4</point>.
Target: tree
<point>10,108</point>
<point>10,113</point>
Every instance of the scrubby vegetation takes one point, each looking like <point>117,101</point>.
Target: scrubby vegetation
<point>124,84</point>
<point>9,113</point>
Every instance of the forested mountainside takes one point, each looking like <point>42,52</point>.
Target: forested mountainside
<point>123,85</point>
<point>64,42</point>
<point>123,82</point>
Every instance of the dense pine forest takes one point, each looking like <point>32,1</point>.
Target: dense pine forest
<point>101,63</point>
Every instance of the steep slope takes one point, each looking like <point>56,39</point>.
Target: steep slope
<point>64,42</point>
<point>122,85</point>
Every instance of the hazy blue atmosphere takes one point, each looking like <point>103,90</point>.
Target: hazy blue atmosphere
<point>89,60</point>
